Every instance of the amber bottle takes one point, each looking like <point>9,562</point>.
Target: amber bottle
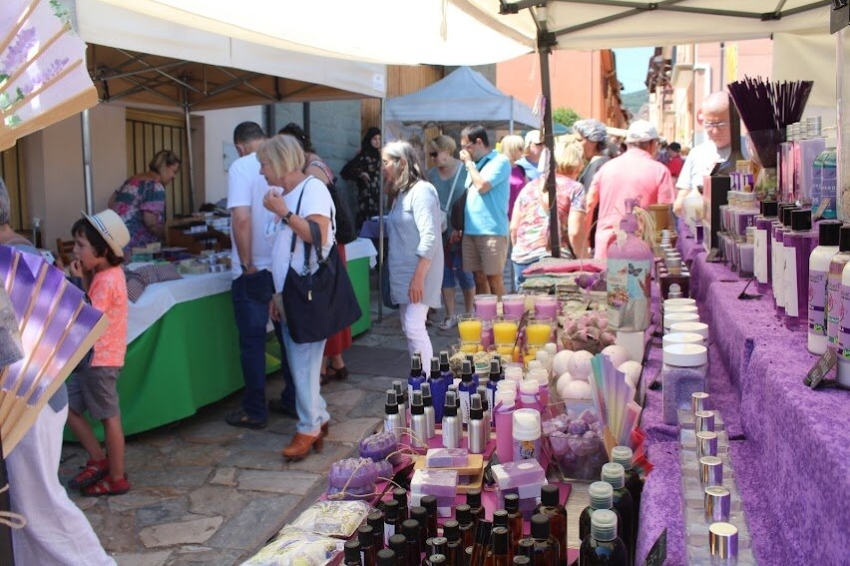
<point>550,505</point>
<point>514,520</point>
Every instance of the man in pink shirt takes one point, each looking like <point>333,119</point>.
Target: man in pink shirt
<point>634,175</point>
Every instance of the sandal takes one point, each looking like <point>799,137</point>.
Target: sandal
<point>108,486</point>
<point>241,419</point>
<point>448,323</point>
<point>332,374</point>
<point>94,471</point>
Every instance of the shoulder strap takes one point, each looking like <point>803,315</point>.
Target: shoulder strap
<point>298,212</point>
<point>454,184</point>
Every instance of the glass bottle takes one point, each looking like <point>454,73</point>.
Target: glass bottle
<point>514,519</point>
<point>466,524</point>
<point>473,499</point>
<point>798,246</point>
<point>481,548</point>
<point>454,542</point>
<point>387,557</point>
<point>546,551</point>
<point>410,528</point>
<point>429,502</point>
<point>392,524</point>
<point>420,515</point>
<point>398,545</point>
<point>602,547</point>
<point>624,456</point>
<point>375,519</point>
<point>435,560</point>
<point>500,519</point>
<point>601,496</point>
<point>762,240</point>
<point>367,545</point>
<point>352,553</point>
<point>521,561</point>
<point>550,505</point>
<point>400,495</point>
<point>501,537</point>
<point>615,475</point>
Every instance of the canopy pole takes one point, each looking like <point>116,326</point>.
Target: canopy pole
<point>381,223</point>
<point>190,161</point>
<point>85,126</point>
<point>544,48</point>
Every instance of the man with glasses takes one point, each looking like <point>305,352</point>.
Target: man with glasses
<point>485,232</point>
<point>715,149</point>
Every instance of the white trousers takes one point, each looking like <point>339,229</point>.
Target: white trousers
<point>57,531</point>
<point>413,317</point>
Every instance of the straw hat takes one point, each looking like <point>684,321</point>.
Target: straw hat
<point>112,228</point>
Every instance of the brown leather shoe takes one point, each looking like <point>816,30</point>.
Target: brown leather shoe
<point>300,446</point>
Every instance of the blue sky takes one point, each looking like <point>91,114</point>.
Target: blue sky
<point>631,67</point>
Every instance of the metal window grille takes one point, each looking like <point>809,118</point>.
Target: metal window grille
<point>12,172</point>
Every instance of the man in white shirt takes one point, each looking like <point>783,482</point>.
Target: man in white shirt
<point>716,149</point>
<point>252,286</point>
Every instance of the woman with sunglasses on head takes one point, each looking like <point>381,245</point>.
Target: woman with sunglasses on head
<point>415,251</point>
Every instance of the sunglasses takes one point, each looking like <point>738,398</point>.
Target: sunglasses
<point>433,154</point>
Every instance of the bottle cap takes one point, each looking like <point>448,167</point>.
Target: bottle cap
<point>400,495</point>
<point>601,495</point>
<point>844,239</point>
<point>427,398</point>
<point>718,501</point>
<point>365,536</point>
<point>476,411</point>
<point>769,208</point>
<point>699,401</point>
<point>495,370</point>
<point>420,514</point>
<point>704,421</point>
<point>786,216</point>
<point>463,513</point>
<point>723,540</point>
<point>680,301</point>
<point>375,520</point>
<point>700,328</point>
<point>685,355</point>
<point>512,503</point>
<point>501,538</point>
<point>801,220</point>
<point>417,407</point>
<point>829,233</point>
<point>410,528</point>
<point>473,498</point>
<point>444,360</point>
<point>450,408</point>
<point>391,406</point>
<point>614,474</point>
<point>522,560</point>
<point>622,455</point>
<point>529,387</point>
<point>550,496</point>
<point>540,526</point>
<point>526,424</point>
<point>674,291</point>
<point>386,557</point>
<point>603,524</point>
<point>706,443</point>
<point>682,338</point>
<point>674,317</point>
<point>466,372</point>
<point>352,550</point>
<point>438,544</point>
<point>485,403</point>
<point>500,519</point>
<point>451,530</point>
<point>390,510</point>
<point>435,368</point>
<point>415,366</point>
<point>436,559</point>
<point>429,502</point>
<point>398,543</point>
<point>711,470</point>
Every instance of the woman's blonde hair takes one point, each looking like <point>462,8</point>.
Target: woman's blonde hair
<point>283,153</point>
<point>512,145</point>
<point>163,159</point>
<point>570,158</point>
<point>403,153</point>
<point>443,143</point>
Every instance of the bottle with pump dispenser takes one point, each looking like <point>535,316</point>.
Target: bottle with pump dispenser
<point>629,263</point>
<point>428,402</point>
<point>451,439</point>
<point>601,496</point>
<point>496,376</point>
<point>551,506</point>
<point>602,547</point>
<point>833,286</point>
<point>798,246</point>
<point>819,260</point>
<point>418,426</point>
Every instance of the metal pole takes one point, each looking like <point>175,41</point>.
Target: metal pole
<point>87,172</point>
<point>549,140</point>
<point>381,225</point>
<point>189,158</point>
<point>694,96</point>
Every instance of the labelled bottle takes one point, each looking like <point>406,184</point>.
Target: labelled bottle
<point>819,260</point>
<point>602,547</point>
<point>546,550</point>
<point>798,245</point>
<point>410,528</point>
<point>843,378</point>
<point>833,287</point>
<point>473,499</point>
<point>778,251</point>
<point>438,385</point>
<point>629,261</point>
<point>450,420</point>
<point>601,496</point>
<point>514,520</point>
<point>829,181</point>
<point>418,426</point>
<point>493,383</point>
<point>550,505</point>
<point>429,502</point>
<point>420,515</point>
<point>615,475</point>
<point>762,241</point>
<point>624,456</point>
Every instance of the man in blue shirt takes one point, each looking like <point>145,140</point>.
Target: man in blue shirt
<point>485,235</point>
<point>533,151</point>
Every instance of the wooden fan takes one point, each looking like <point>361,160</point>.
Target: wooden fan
<point>57,328</point>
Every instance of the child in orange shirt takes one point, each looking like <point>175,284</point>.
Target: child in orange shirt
<point>98,246</point>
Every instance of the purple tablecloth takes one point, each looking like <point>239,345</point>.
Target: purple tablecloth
<point>791,455</point>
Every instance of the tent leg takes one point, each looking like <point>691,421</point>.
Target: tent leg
<point>85,126</point>
<point>549,140</point>
<point>189,158</point>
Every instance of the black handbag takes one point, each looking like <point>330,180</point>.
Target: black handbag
<point>318,305</point>
<point>346,231</point>
<point>458,211</point>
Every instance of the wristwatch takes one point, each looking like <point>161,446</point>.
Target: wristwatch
<point>246,267</point>
<point>286,217</point>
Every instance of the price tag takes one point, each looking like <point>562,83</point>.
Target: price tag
<point>822,367</point>
<point>658,554</point>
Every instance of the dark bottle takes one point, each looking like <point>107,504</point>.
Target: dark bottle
<point>501,537</point>
<point>410,528</point>
<point>398,544</point>
<point>473,499</point>
<point>420,515</point>
<point>602,547</point>
<point>436,560</point>
<point>550,505</point>
<point>525,547</point>
<point>392,523</point>
<point>439,545</point>
<point>454,542</point>
<point>352,553</point>
<point>466,524</point>
<point>376,520</point>
<point>387,557</point>
<point>481,547</point>
<point>429,502</point>
<point>367,545</point>
<point>514,520</point>
<point>500,519</point>
<point>400,495</point>
<point>623,504</point>
<point>546,550</point>
<point>521,561</point>
<point>601,496</point>
<point>624,456</point>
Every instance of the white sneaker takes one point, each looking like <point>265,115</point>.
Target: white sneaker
<point>448,323</point>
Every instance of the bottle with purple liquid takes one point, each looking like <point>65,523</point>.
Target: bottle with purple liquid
<point>798,245</point>
<point>762,241</point>
<point>779,231</point>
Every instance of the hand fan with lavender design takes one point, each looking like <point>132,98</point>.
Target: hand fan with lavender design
<point>57,327</point>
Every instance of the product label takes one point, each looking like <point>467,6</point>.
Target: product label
<point>778,273</point>
<point>844,324</point>
<point>829,185</point>
<point>792,308</point>
<point>464,406</point>
<point>817,301</point>
<point>834,307</point>
<point>760,256</point>
<point>629,294</point>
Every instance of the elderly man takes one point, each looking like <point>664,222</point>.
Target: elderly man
<point>485,233</point>
<point>716,149</point>
<point>530,161</point>
<point>634,175</point>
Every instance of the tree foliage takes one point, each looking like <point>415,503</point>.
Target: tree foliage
<point>565,116</point>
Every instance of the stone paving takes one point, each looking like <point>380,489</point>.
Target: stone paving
<point>205,493</point>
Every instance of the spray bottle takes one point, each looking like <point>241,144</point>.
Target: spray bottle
<point>428,402</point>
<point>416,378</point>
<point>417,421</point>
<point>438,388</point>
<point>451,439</point>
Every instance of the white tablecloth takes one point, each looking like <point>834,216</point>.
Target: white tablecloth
<point>158,298</point>
<point>362,247</point>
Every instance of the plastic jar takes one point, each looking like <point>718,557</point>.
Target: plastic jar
<point>682,338</point>
<point>526,433</point>
<point>683,373</point>
<point>700,328</point>
<point>674,317</point>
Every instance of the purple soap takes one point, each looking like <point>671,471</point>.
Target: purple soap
<point>514,474</point>
<point>379,446</point>
<point>446,457</point>
<point>441,483</point>
<point>352,472</point>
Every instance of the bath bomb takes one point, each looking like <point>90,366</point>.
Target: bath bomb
<point>560,361</point>
<point>564,380</point>
<point>616,354</point>
<point>579,365</point>
<point>632,371</point>
<point>577,390</point>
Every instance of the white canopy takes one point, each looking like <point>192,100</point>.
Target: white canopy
<point>464,96</point>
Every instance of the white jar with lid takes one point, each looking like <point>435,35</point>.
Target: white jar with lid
<point>673,318</point>
<point>700,328</point>
<point>682,338</point>
<point>683,373</point>
<point>526,434</point>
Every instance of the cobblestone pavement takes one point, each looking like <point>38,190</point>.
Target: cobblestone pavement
<point>209,494</point>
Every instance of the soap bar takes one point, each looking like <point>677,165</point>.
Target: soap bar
<point>515,474</point>
<point>446,457</point>
<point>527,491</point>
<point>441,483</point>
